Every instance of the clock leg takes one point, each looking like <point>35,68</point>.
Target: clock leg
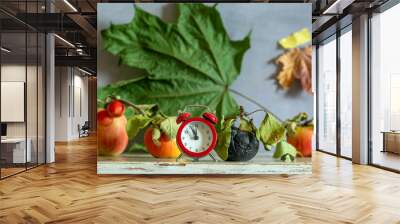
<point>212,156</point>
<point>179,157</point>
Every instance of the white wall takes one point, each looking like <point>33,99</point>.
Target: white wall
<point>80,110</point>
<point>71,102</point>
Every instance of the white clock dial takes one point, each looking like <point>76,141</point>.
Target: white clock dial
<point>196,136</point>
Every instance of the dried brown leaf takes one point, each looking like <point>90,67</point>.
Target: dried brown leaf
<point>295,64</point>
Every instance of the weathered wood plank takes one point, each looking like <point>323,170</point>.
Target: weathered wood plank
<point>145,164</point>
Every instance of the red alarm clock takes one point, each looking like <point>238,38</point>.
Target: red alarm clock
<point>196,136</point>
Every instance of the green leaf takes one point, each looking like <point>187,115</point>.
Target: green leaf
<point>224,139</point>
<point>136,148</point>
<point>285,151</point>
<point>271,131</point>
<point>299,117</point>
<point>136,123</point>
<point>291,124</point>
<point>169,127</point>
<point>149,109</point>
<point>156,134</point>
<point>291,128</point>
<point>247,125</point>
<point>192,61</point>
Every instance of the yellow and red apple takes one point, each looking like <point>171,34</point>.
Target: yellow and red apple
<point>301,139</point>
<point>111,130</point>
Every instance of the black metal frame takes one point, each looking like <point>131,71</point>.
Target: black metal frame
<point>369,90</point>
<point>0,88</point>
<point>44,72</point>
<point>338,97</point>
<point>316,97</point>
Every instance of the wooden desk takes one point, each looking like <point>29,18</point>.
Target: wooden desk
<point>391,141</point>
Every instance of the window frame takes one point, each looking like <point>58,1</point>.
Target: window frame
<point>337,35</point>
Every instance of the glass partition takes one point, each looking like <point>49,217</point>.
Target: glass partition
<point>23,88</point>
<point>13,94</point>
<point>327,96</point>
<point>385,89</point>
<point>346,94</point>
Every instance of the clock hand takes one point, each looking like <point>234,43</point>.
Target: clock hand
<point>194,135</point>
<point>190,133</point>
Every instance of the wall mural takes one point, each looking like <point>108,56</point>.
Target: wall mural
<point>186,103</point>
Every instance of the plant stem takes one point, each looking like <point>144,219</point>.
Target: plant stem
<point>250,113</point>
<point>133,106</point>
<point>138,109</point>
<point>254,102</point>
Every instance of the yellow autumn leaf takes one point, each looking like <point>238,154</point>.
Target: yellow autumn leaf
<point>296,39</point>
<point>295,64</point>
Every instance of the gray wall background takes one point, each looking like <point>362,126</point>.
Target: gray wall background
<point>268,23</point>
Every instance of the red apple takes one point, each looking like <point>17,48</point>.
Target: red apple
<point>112,138</point>
<point>116,108</point>
<point>302,140</point>
<point>103,118</point>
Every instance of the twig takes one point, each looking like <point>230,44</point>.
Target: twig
<point>255,102</point>
<point>259,110</point>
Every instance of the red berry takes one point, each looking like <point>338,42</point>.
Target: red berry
<point>210,117</point>
<point>103,118</point>
<point>116,108</point>
<point>182,117</point>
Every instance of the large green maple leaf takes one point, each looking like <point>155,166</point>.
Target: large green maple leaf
<point>192,61</point>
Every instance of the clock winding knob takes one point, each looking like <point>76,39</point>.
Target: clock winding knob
<point>182,117</point>
<point>210,117</point>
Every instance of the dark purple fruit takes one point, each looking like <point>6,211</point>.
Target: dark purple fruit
<point>243,146</point>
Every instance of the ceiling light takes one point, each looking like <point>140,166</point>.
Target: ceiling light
<point>84,71</point>
<point>5,50</point>
<point>70,5</point>
<point>337,7</point>
<point>65,41</point>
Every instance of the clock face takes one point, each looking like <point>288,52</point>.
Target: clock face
<point>197,137</point>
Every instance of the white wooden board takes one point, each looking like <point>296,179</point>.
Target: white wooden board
<point>145,164</point>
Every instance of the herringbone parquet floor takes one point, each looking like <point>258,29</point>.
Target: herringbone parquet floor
<point>69,191</point>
